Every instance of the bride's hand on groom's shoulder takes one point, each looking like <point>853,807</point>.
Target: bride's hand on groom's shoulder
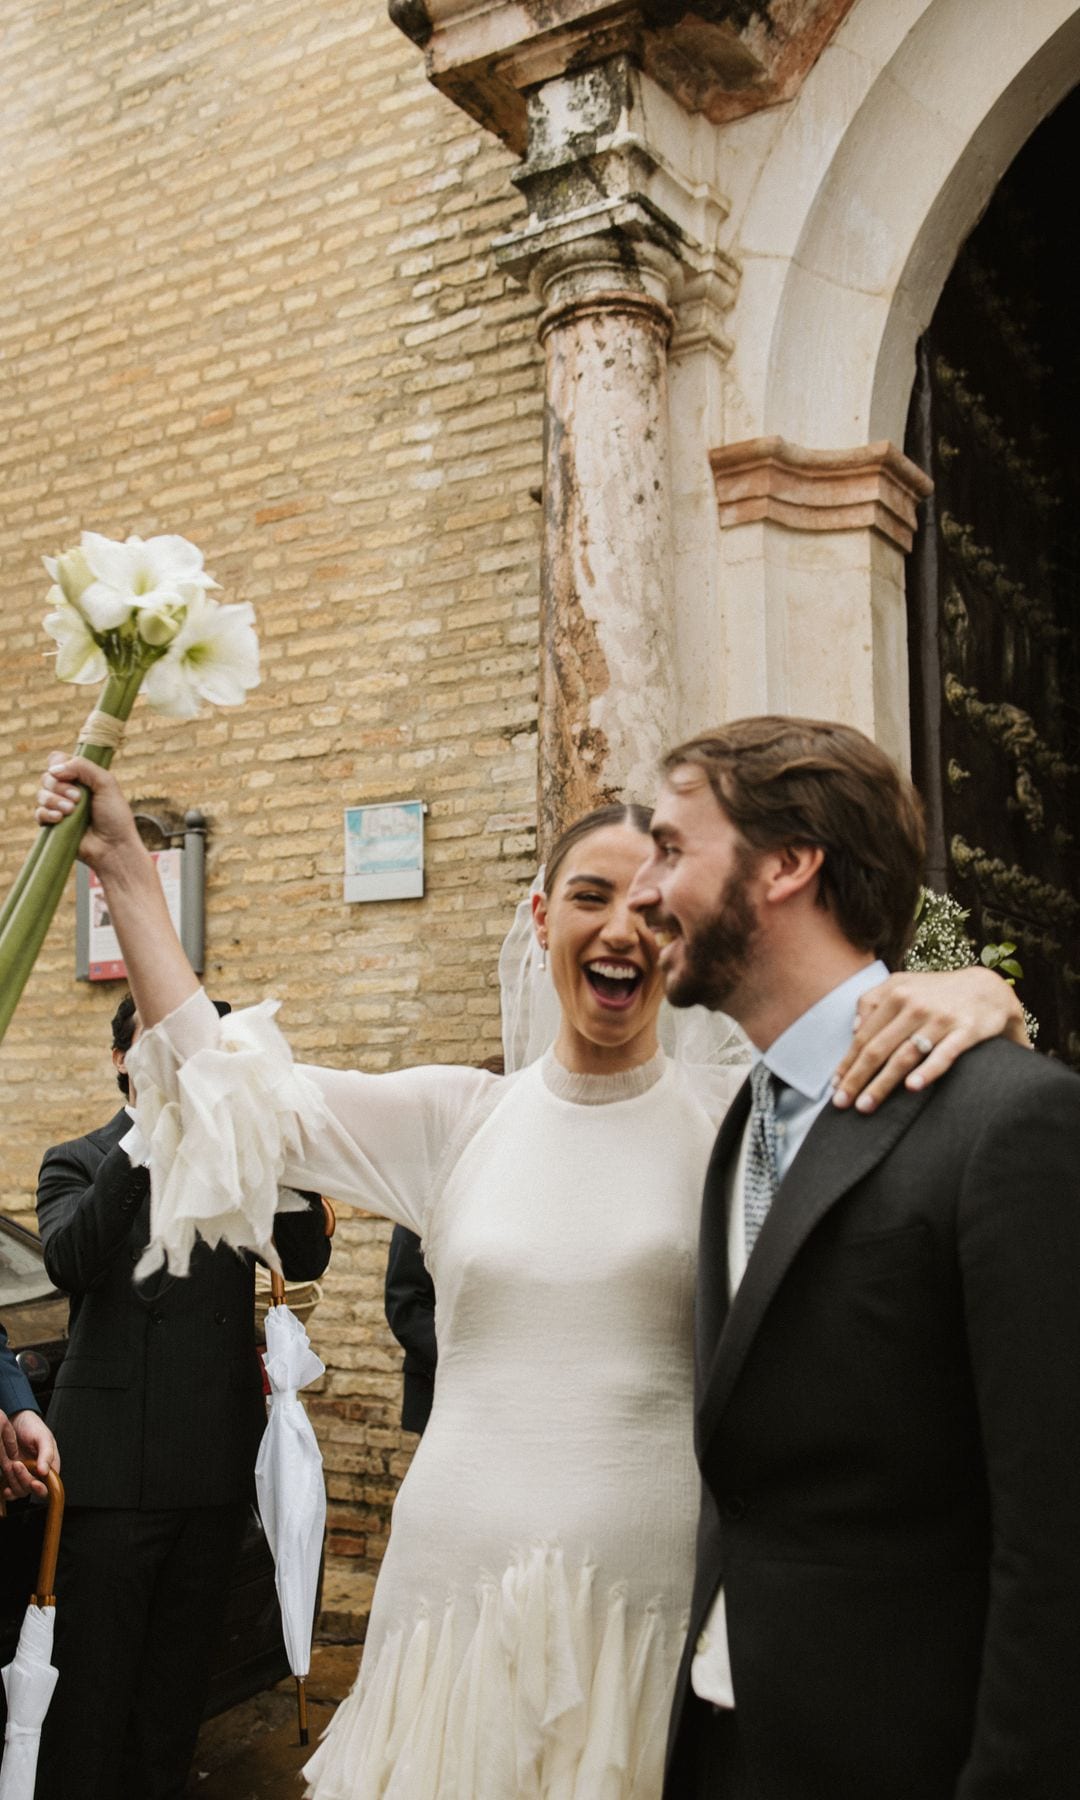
<point>912,1028</point>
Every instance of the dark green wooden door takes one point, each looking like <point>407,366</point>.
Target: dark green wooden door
<point>994,579</point>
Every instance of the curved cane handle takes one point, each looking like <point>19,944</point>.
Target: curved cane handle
<point>44,1596</point>
<point>277,1282</point>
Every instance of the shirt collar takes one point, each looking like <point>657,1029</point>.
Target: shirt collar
<point>805,1056</point>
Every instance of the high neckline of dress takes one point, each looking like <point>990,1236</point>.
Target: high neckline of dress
<point>601,1090</point>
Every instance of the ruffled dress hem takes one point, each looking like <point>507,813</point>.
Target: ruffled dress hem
<point>557,1694</point>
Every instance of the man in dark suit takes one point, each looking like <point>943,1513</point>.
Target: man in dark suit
<point>887,1600</point>
<point>23,1431</point>
<point>159,1408</point>
<point>409,1300</point>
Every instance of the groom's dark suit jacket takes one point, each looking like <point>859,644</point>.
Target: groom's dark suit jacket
<point>888,1420</point>
<point>158,1402</point>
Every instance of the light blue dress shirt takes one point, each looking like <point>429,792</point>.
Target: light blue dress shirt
<point>805,1056</point>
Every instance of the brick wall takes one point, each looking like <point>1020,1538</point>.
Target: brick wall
<point>248,296</point>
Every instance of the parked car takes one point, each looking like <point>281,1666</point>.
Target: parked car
<point>251,1656</point>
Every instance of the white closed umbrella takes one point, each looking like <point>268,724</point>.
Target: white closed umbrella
<point>30,1678</point>
<point>291,1492</point>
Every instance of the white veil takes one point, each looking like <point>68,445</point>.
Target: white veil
<point>709,1045</point>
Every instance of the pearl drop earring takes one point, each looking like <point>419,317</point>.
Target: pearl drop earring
<point>543,955</point>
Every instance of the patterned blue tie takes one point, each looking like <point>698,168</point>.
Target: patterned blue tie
<point>762,1176</point>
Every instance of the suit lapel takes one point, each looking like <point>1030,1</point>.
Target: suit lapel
<point>713,1279</point>
<point>103,1141</point>
<point>106,1136</point>
<point>840,1151</point>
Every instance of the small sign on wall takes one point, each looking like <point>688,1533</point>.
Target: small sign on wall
<point>98,956</point>
<point>384,851</point>
<point>179,855</point>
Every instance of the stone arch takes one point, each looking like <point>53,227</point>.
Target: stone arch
<point>906,179</point>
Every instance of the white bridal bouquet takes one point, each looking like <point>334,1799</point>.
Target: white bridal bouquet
<point>135,615</point>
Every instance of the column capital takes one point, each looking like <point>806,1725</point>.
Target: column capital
<point>874,487</point>
<point>620,269</point>
<point>618,188</point>
<point>649,311</point>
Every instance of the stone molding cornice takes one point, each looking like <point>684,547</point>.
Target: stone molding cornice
<point>874,487</point>
<point>483,53</point>
<point>611,231</point>
<point>703,299</point>
<point>626,162</point>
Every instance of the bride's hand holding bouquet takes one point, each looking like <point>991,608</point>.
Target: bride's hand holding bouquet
<point>135,615</point>
<point>158,972</point>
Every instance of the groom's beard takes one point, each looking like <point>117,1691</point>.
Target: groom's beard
<point>718,955</point>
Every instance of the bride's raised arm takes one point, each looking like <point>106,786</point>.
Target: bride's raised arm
<point>227,1114</point>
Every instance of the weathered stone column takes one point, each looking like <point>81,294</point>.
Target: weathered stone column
<point>606,256</point>
<point>607,671</point>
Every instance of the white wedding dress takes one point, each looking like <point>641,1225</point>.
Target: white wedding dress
<point>529,1615</point>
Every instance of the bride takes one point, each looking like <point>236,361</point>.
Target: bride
<point>528,1617</point>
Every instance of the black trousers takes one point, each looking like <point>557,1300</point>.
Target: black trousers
<point>140,1598</point>
<point>711,1766</point>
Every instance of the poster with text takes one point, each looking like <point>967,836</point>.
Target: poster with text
<point>106,962</point>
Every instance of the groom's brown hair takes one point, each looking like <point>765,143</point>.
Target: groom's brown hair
<point>811,781</point>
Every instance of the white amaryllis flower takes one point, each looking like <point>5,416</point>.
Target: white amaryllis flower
<point>160,623</point>
<point>215,657</point>
<point>72,574</point>
<point>158,577</point>
<point>79,658</point>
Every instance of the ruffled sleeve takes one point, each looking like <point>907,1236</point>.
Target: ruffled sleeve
<point>230,1119</point>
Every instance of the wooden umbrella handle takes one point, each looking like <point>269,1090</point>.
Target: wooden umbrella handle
<point>277,1282</point>
<point>54,1518</point>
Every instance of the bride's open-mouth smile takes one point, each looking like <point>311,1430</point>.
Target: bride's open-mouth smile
<point>614,981</point>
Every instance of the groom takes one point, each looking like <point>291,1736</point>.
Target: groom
<point>887,1600</point>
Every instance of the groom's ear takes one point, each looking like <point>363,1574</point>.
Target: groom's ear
<point>789,871</point>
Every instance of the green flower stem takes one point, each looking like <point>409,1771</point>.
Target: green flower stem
<point>38,889</point>
<point>21,880</point>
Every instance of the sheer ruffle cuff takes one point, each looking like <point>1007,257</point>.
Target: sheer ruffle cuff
<point>223,1109</point>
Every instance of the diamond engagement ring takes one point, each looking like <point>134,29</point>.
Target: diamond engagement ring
<point>922,1044</point>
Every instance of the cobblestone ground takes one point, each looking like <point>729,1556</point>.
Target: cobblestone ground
<point>251,1751</point>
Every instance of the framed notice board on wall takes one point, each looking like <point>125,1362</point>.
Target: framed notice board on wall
<point>179,854</point>
<point>384,851</point>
